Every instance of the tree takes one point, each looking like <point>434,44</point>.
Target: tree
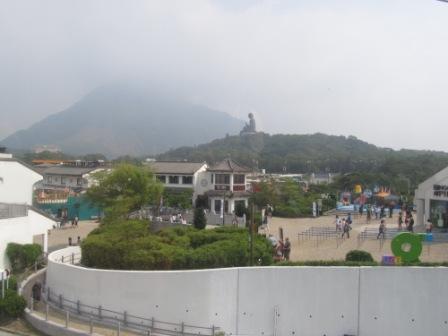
<point>199,220</point>
<point>125,189</point>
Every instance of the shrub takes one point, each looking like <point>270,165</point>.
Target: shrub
<point>23,256</point>
<point>12,305</point>
<point>358,255</point>
<point>199,220</point>
<point>172,248</point>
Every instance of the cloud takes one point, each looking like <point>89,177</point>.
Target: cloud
<point>375,69</point>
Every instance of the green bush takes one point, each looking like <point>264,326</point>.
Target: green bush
<point>112,246</point>
<point>12,305</point>
<point>23,256</point>
<point>358,255</point>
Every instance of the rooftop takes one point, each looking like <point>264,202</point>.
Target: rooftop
<point>73,171</point>
<point>228,165</point>
<point>175,167</point>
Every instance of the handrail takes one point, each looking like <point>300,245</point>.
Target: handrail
<point>111,318</point>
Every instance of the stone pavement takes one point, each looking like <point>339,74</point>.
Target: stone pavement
<point>58,238</point>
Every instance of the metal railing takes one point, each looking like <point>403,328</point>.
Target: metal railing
<point>122,320</point>
<point>322,233</point>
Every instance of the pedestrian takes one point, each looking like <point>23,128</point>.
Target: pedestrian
<point>279,250</point>
<point>338,224</point>
<point>411,224</point>
<point>76,220</point>
<point>429,226</point>
<point>361,210</point>
<point>79,240</point>
<point>346,229</point>
<point>400,221</point>
<point>377,211</point>
<point>287,248</point>
<point>382,230</point>
<point>349,218</point>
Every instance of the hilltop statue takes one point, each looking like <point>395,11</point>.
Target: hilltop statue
<point>250,127</point>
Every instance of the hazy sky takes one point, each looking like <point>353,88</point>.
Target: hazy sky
<point>376,69</point>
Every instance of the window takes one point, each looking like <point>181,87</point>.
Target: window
<point>217,206</point>
<point>63,180</point>
<point>79,181</point>
<point>49,179</point>
<point>212,177</point>
<point>187,180</point>
<point>238,179</point>
<point>173,179</point>
<point>222,179</point>
<point>161,178</point>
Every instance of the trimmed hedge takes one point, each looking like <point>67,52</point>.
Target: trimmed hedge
<point>358,255</point>
<point>130,245</point>
<point>23,256</point>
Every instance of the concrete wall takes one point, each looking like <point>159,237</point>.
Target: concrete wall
<point>256,301</point>
<point>21,230</point>
<point>16,183</point>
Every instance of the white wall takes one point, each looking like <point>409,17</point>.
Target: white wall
<point>16,183</point>
<point>21,230</point>
<point>311,301</point>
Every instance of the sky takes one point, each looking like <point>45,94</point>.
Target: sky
<point>375,69</point>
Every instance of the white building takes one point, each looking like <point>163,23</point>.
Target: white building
<point>431,198</point>
<point>225,183</point>
<point>61,177</point>
<point>17,180</point>
<point>19,221</point>
<point>228,186</point>
<point>179,175</point>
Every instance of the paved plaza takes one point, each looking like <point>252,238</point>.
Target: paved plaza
<point>331,249</point>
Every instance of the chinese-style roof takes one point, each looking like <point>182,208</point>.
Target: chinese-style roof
<point>175,167</point>
<point>229,166</point>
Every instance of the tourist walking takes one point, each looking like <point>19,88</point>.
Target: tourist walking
<point>286,249</point>
<point>346,229</point>
<point>382,230</point>
<point>369,214</point>
<point>429,226</point>
<point>338,223</point>
<point>400,221</point>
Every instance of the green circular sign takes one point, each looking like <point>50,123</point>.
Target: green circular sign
<point>407,246</point>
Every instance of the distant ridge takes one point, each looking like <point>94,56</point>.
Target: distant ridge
<point>126,120</point>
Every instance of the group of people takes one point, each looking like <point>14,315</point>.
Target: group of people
<point>281,249</point>
<point>344,225</point>
<point>408,221</point>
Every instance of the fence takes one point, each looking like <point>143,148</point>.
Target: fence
<point>322,233</point>
<point>119,320</point>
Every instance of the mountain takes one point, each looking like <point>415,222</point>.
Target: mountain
<point>314,153</point>
<point>126,120</point>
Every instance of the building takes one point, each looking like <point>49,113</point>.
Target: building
<point>20,222</point>
<point>180,175</point>
<point>227,186</point>
<point>325,178</point>
<point>431,199</point>
<point>62,190</point>
<point>17,180</point>
<point>223,184</point>
<point>62,177</point>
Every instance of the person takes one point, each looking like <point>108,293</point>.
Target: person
<point>381,230</point>
<point>391,210</point>
<point>287,248</point>
<point>346,229</point>
<point>400,220</point>
<point>382,213</point>
<point>369,214</point>
<point>338,224</point>
<point>377,211</point>
<point>411,224</point>
<point>272,240</point>
<point>279,250</point>
<point>349,219</point>
<point>429,226</point>
<point>76,220</point>
<point>361,210</point>
<point>79,240</point>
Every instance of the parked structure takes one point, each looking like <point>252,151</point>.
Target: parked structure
<point>431,198</point>
<point>20,222</point>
